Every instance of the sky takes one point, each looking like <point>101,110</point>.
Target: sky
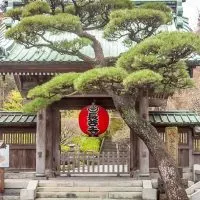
<point>190,10</point>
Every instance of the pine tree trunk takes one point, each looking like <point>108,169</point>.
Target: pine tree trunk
<point>168,170</point>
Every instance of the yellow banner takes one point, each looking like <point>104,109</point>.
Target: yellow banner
<point>172,140</point>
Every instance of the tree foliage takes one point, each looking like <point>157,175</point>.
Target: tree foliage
<point>13,102</point>
<point>87,15</point>
<point>134,25</point>
<point>155,63</point>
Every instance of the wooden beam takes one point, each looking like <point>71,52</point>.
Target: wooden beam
<point>52,67</point>
<point>20,129</point>
<point>77,103</point>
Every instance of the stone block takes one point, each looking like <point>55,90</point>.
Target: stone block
<point>17,184</point>
<point>147,184</point>
<point>190,183</point>
<point>192,188</point>
<point>196,168</point>
<point>149,194</point>
<point>30,192</point>
<point>125,195</point>
<point>32,185</point>
<point>154,183</point>
<point>27,194</point>
<point>195,196</point>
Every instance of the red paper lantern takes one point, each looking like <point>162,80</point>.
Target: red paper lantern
<point>93,120</point>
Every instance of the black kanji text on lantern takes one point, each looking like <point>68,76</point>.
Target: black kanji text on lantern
<point>93,120</point>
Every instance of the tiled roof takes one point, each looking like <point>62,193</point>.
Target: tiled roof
<point>17,53</point>
<point>174,117</point>
<point>10,52</point>
<point>156,118</point>
<point>17,118</point>
<point>13,52</point>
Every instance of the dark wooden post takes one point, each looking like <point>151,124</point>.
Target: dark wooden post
<point>40,143</point>
<point>143,150</point>
<point>56,139</point>
<point>1,180</point>
<point>190,140</point>
<point>133,153</point>
<point>49,142</point>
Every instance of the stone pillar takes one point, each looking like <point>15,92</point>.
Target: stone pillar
<point>172,140</point>
<point>56,139</point>
<point>41,143</point>
<point>143,150</point>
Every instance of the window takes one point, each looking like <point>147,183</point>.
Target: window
<point>196,145</point>
<point>183,138</point>
<point>19,138</point>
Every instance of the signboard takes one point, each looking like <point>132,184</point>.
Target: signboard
<point>93,120</point>
<point>172,140</point>
<point>4,157</point>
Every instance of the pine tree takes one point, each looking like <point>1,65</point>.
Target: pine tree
<point>154,65</point>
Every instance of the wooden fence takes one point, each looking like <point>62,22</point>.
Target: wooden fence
<point>22,150</point>
<point>90,163</point>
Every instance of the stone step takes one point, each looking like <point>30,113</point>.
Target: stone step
<point>109,145</point>
<point>112,195</point>
<point>16,183</point>
<point>19,175</point>
<point>10,198</point>
<point>80,199</point>
<point>89,189</point>
<point>12,191</point>
<point>134,183</point>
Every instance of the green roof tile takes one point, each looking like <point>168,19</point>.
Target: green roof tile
<point>3,118</point>
<point>151,118</point>
<point>164,118</point>
<point>185,118</point>
<point>9,118</point>
<point>192,118</point>
<point>178,118</point>
<point>31,118</point>
<point>23,118</point>
<point>17,118</point>
<point>157,118</point>
<point>171,118</point>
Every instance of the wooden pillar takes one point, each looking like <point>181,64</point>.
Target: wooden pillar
<point>143,150</point>
<point>40,143</point>
<point>133,153</point>
<point>56,139</point>
<point>49,142</point>
<point>191,158</point>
